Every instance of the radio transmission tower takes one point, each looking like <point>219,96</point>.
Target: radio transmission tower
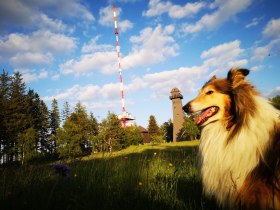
<point>125,116</point>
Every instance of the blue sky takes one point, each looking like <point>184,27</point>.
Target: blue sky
<point>66,49</point>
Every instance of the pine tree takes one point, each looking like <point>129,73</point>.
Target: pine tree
<point>156,135</point>
<point>66,111</point>
<point>76,136</point>
<point>21,120</point>
<point>33,113</point>
<point>111,133</point>
<point>44,128</point>
<point>80,118</point>
<point>5,81</point>
<point>93,125</point>
<point>167,128</point>
<point>153,128</point>
<point>54,125</point>
<point>16,116</point>
<point>68,140</point>
<point>27,144</point>
<point>96,143</point>
<point>38,115</point>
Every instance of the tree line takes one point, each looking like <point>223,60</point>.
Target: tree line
<point>27,127</point>
<point>30,131</point>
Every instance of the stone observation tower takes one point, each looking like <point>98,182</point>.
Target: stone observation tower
<point>178,114</point>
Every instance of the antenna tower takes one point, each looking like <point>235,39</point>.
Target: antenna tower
<point>125,116</point>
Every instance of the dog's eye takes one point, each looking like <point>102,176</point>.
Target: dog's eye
<point>209,92</point>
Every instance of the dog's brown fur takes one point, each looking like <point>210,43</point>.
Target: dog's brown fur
<point>240,144</point>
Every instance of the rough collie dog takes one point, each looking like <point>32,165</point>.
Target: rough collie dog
<point>239,151</point>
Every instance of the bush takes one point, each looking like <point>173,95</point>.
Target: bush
<point>132,136</point>
<point>157,139</point>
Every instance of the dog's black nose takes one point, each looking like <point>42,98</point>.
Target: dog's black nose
<point>187,108</point>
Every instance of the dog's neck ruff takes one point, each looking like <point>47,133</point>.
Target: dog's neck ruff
<point>228,127</point>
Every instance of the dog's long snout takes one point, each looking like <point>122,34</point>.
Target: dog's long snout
<point>187,108</point>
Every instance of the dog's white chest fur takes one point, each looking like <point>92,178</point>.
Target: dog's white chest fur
<point>224,167</point>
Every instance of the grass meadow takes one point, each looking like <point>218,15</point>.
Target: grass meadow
<point>163,176</point>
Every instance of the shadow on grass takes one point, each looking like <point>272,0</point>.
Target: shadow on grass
<point>154,179</point>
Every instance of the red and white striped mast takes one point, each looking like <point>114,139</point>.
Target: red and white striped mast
<point>125,117</point>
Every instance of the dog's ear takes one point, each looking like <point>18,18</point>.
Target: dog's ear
<point>213,78</point>
<point>235,75</point>
<point>242,93</point>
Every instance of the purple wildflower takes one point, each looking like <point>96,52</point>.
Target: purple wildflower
<point>62,170</point>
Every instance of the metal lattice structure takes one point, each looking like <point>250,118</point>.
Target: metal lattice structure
<point>125,116</point>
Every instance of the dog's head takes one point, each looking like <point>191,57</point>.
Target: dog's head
<point>222,99</point>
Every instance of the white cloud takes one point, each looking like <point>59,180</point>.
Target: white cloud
<point>161,83</point>
<point>225,10</point>
<point>38,41</point>
<point>70,93</point>
<point>48,41</point>
<point>260,53</point>
<point>256,68</point>
<point>157,7</point>
<point>232,47</point>
<point>43,74</point>
<point>254,22</point>
<point>96,57</point>
<point>217,59</point>
<point>187,79</point>
<point>125,25</point>
<point>92,95</point>
<point>105,62</point>
<point>45,22</point>
<point>107,19</point>
<point>71,8</point>
<point>111,90</point>
<point>271,32</point>
<point>185,11</point>
<point>29,59</point>
<point>37,48</point>
<point>36,14</point>
<point>55,77</point>
<point>32,75</point>
<point>274,92</point>
<point>169,29</point>
<point>224,56</point>
<point>92,46</point>
<point>272,48</point>
<point>150,47</point>
<point>88,93</point>
<point>108,91</point>
<point>105,105</point>
<point>272,29</point>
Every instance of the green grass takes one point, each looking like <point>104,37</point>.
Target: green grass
<point>162,176</point>
<point>148,149</point>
